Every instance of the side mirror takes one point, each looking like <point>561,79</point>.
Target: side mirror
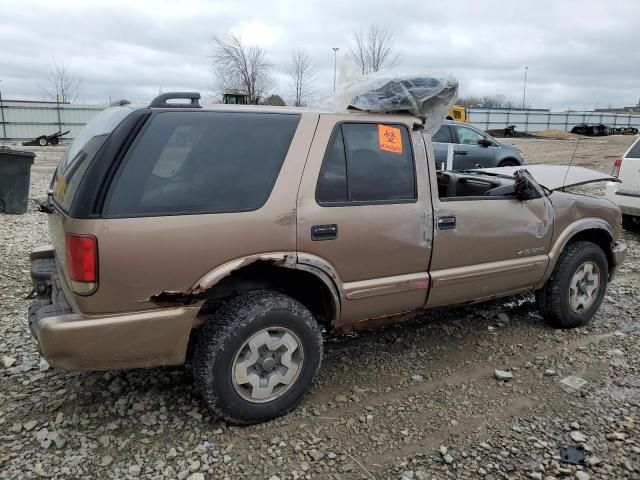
<point>524,186</point>
<point>483,142</point>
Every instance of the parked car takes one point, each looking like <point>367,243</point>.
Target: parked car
<point>471,148</point>
<point>230,237</point>
<point>627,193</point>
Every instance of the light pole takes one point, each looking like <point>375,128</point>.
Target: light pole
<point>524,90</point>
<point>4,127</point>
<point>335,56</point>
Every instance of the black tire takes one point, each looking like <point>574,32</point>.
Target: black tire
<point>54,141</point>
<point>509,163</point>
<point>226,333</point>
<point>631,223</point>
<point>553,298</point>
<point>42,141</point>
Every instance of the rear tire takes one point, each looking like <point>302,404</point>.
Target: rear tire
<point>42,141</point>
<point>257,357</point>
<point>631,223</point>
<point>508,163</point>
<point>576,287</point>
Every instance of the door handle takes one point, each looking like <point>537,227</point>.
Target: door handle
<point>446,223</point>
<point>324,232</point>
<point>461,152</point>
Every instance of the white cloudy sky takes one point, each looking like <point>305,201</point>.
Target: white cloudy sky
<point>579,53</point>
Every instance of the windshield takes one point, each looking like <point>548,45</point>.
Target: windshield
<point>81,152</point>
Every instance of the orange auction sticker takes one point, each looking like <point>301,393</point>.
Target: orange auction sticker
<point>390,139</point>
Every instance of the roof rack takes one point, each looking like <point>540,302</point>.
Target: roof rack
<point>161,100</point>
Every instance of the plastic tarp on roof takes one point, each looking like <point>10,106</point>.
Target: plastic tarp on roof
<point>425,95</point>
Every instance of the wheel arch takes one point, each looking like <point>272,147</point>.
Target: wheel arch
<point>594,230</point>
<point>311,282</point>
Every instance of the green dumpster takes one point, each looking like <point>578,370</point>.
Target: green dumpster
<point>15,173</point>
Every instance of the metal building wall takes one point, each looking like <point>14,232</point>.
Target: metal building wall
<point>530,121</point>
<point>27,120</point>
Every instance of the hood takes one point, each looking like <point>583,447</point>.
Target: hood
<point>553,176</point>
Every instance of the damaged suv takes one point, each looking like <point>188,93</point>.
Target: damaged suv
<point>230,237</point>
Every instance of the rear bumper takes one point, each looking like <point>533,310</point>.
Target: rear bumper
<point>72,341</point>
<point>628,201</point>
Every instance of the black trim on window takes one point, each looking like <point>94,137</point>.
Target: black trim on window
<point>355,203</point>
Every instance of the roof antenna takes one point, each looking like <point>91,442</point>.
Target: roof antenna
<point>575,150</point>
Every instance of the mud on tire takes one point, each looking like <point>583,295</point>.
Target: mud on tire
<point>261,333</point>
<point>554,300</point>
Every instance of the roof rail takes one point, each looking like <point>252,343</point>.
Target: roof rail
<point>161,100</point>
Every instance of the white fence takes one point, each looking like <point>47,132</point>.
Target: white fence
<point>538,120</point>
<point>21,120</point>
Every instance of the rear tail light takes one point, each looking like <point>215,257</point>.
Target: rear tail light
<point>616,168</point>
<point>82,263</point>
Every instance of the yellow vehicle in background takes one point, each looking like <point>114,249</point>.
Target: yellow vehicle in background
<point>458,113</point>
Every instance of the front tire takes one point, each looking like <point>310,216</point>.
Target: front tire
<point>257,357</point>
<point>576,287</point>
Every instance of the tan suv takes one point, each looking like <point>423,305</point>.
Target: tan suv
<point>231,237</point>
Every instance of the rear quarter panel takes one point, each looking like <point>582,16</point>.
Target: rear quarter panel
<point>143,257</point>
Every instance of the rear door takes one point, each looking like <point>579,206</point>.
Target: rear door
<point>364,213</point>
<point>468,153</point>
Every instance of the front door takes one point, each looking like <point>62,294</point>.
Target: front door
<point>469,153</point>
<point>487,246</point>
<point>362,212</point>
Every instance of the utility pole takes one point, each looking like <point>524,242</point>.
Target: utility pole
<point>4,126</point>
<point>335,56</point>
<point>524,90</point>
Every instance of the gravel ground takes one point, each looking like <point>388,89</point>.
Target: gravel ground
<point>414,401</point>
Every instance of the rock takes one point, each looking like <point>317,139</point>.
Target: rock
<point>536,475</point>
<point>226,459</point>
<point>549,372</point>
<point>615,352</point>
<point>274,477</point>
<point>340,398</point>
<point>407,475</point>
<point>443,450</point>
<point>194,466</point>
<point>8,362</point>
<point>106,460</point>
<point>317,455</point>
<point>43,365</point>
<point>577,437</point>
<point>448,459</point>
<point>421,475</point>
<point>503,317</point>
<point>417,378</point>
<point>503,375</point>
<point>582,475</point>
<point>572,383</point>
<point>196,476</point>
<point>172,453</point>
<point>135,470</point>
<point>16,428</point>
<point>615,436</point>
<point>593,461</point>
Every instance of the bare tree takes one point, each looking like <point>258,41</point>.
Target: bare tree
<point>240,67</point>
<point>372,49</point>
<point>62,85</point>
<point>498,100</point>
<point>302,74</point>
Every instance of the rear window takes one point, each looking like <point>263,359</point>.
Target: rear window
<point>202,162</point>
<point>81,152</point>
<point>635,150</point>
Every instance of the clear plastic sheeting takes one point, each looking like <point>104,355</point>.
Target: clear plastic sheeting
<point>428,96</point>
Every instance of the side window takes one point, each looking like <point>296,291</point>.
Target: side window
<point>367,163</point>
<point>202,162</point>
<point>467,136</point>
<point>635,151</point>
<point>443,135</point>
